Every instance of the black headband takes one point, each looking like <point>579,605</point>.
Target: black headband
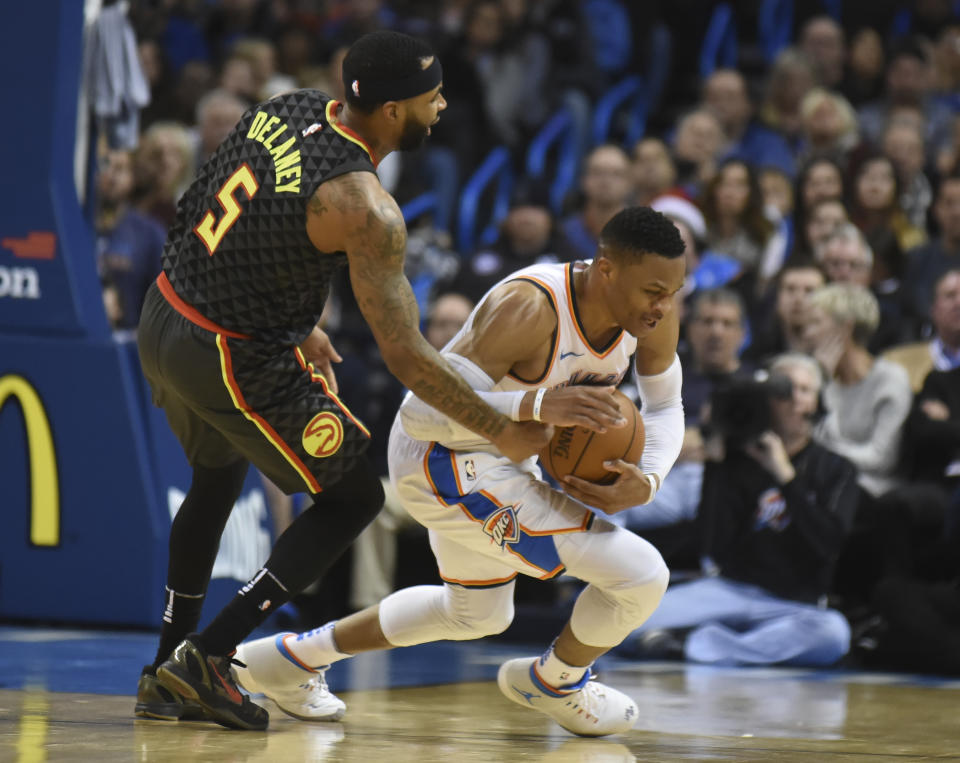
<point>371,90</point>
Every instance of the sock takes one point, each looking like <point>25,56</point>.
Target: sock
<point>317,647</point>
<point>557,674</point>
<point>251,606</point>
<point>180,617</point>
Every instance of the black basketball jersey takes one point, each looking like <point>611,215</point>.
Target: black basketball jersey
<point>238,250</point>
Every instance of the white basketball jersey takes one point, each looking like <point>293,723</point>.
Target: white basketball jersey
<point>572,360</point>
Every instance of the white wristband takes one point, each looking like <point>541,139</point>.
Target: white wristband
<point>538,402</point>
<point>654,479</point>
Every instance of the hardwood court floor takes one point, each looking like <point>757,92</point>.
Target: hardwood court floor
<point>686,713</point>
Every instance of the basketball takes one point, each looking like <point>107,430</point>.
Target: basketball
<point>581,452</point>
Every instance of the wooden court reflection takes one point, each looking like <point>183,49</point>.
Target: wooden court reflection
<point>686,713</point>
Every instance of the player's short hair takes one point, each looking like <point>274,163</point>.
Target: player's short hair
<point>641,230</point>
<point>377,59</point>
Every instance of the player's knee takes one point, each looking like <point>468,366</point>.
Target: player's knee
<point>477,614</point>
<point>830,631</point>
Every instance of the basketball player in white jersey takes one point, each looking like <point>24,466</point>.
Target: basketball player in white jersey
<point>549,343</point>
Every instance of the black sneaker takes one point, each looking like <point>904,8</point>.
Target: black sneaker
<point>194,674</point>
<point>154,700</point>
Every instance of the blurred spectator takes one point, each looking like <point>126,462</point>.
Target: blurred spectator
<point>875,208</point>
<point>822,41</point>
<point>236,78</point>
<point>928,262</point>
<point>697,142</point>
<point>262,57</point>
<point>774,515</point>
<point>217,113</point>
<point>824,217</point>
<point>777,189</point>
<point>918,602</point>
<point>715,332</point>
<point>705,269</point>
<point>867,399</point>
<point>129,244</point>
<point>163,169</point>
<point>903,145</point>
<point>864,81</point>
<point>653,170</point>
<point>942,352</point>
<point>725,94</point>
<point>605,187</point>
<point>846,257</point>
<point>947,159</point>
<point>946,68</point>
<point>785,330</point>
<point>828,125</point>
<point>821,178</point>
<point>789,80</point>
<point>908,83</point>
<point>738,225</point>
<point>445,317</point>
<point>529,234</point>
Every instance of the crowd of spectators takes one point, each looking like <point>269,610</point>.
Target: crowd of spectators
<point>819,197</point>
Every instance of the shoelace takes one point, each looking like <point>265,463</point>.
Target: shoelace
<point>589,697</point>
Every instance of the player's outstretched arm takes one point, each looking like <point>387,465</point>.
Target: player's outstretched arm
<point>354,214</point>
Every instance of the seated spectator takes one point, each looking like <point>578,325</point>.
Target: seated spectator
<point>705,269</point>
<point>715,331</point>
<point>528,234</point>
<point>903,145</point>
<point>217,113</point>
<point>942,352</point>
<point>774,514</point>
<point>822,220</point>
<point>163,168</point>
<point>785,330</point>
<point>738,226</point>
<point>864,80</point>
<point>820,179</point>
<point>129,244</point>
<point>828,126</point>
<point>725,94</point>
<point>908,83</point>
<point>918,602</point>
<point>875,208</point>
<point>928,262</point>
<point>606,187</point>
<point>846,257</point>
<point>823,43</point>
<point>867,401</point>
<point>789,79</point>
<point>653,171</point>
<point>697,143</point>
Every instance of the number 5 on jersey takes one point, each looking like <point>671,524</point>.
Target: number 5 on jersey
<point>211,235</point>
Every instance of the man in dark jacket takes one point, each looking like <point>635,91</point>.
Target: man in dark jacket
<point>771,536</point>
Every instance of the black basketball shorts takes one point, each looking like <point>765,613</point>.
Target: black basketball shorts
<point>227,397</point>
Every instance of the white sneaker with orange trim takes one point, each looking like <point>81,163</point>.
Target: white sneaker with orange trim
<point>588,708</point>
<point>271,669</point>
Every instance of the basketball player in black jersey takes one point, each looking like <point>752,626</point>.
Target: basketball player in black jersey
<point>229,343</point>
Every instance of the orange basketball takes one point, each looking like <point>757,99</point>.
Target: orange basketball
<point>581,452</point>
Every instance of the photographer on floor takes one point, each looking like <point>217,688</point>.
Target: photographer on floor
<point>775,510</point>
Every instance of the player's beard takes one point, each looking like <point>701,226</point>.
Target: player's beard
<point>413,135</point>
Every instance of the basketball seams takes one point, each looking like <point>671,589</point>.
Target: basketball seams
<point>583,450</point>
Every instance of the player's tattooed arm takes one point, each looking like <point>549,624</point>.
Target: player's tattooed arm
<point>374,236</point>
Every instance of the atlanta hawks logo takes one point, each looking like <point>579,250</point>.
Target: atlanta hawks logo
<point>323,436</point>
<point>503,526</point>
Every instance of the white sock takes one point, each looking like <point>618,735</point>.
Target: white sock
<point>317,647</point>
<point>556,673</point>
